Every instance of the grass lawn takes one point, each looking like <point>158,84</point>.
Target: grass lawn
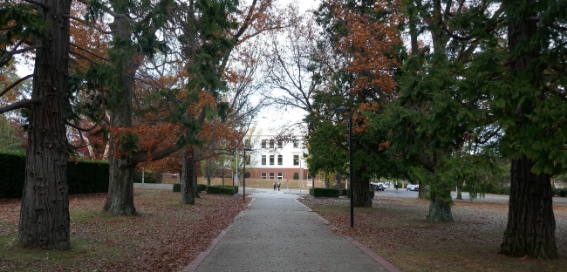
<point>395,228</point>
<point>166,236</point>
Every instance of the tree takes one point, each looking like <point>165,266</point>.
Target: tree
<point>44,215</point>
<point>532,102</point>
<point>364,42</point>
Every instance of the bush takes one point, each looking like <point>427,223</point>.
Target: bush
<point>201,187</point>
<point>324,192</point>
<point>227,190</point>
<point>177,187</point>
<point>562,193</point>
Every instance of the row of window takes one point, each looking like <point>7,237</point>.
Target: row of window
<point>272,159</point>
<point>264,175</point>
<point>271,143</point>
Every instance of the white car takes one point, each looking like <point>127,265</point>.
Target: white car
<point>411,187</point>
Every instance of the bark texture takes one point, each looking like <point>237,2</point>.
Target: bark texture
<point>531,223</point>
<point>44,214</point>
<point>439,211</point>
<point>120,199</point>
<point>187,186</point>
<point>361,190</point>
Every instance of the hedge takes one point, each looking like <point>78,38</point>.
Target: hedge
<point>82,176</point>
<point>227,190</point>
<point>331,192</point>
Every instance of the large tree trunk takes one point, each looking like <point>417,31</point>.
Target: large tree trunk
<point>439,210</point>
<point>187,186</point>
<point>44,213</point>
<point>361,190</point>
<point>120,198</point>
<point>531,223</point>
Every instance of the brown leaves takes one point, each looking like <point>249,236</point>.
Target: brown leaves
<point>396,229</point>
<point>166,236</point>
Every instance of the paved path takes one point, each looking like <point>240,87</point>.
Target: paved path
<point>278,233</point>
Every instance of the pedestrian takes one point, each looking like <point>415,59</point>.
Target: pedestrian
<point>275,186</point>
<point>279,184</point>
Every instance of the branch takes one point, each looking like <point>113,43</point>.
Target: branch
<point>45,7</point>
<point>21,104</point>
<point>10,53</point>
<point>14,84</point>
<point>84,49</point>
<point>80,128</point>
<point>85,23</point>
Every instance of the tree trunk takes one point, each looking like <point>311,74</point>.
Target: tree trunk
<point>338,178</point>
<point>361,190</point>
<point>421,193</point>
<point>530,230</point>
<point>187,187</point>
<point>194,179</point>
<point>531,223</point>
<point>120,198</point>
<point>44,214</point>
<point>439,211</point>
<point>459,193</point>
<point>327,183</point>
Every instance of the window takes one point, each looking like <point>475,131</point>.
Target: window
<point>295,143</point>
<point>263,175</point>
<point>295,159</point>
<point>271,143</point>
<point>264,143</point>
<point>271,175</point>
<point>272,159</point>
<point>280,159</point>
<point>295,175</point>
<point>280,175</point>
<point>280,144</point>
<point>263,159</point>
<point>308,176</point>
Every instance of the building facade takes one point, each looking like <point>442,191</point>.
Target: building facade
<point>272,159</point>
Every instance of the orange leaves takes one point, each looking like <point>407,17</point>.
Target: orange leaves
<point>369,47</point>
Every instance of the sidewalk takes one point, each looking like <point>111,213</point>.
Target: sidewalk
<point>278,233</point>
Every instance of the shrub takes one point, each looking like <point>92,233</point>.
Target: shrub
<point>82,176</point>
<point>177,187</point>
<point>324,192</point>
<point>201,187</point>
<point>227,190</point>
<point>562,193</point>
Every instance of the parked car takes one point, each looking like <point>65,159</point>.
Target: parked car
<point>411,187</point>
<point>376,186</point>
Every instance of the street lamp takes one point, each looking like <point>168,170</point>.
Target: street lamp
<point>349,110</point>
<point>244,174</point>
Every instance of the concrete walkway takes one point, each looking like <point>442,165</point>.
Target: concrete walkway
<point>278,233</point>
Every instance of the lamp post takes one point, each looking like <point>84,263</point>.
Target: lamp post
<point>349,110</point>
<point>244,173</point>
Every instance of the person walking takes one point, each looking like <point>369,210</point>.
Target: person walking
<point>275,186</point>
<point>279,184</point>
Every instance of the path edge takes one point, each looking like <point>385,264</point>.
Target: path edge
<point>389,266</point>
<point>192,266</point>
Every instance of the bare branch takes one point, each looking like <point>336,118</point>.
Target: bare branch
<point>21,104</point>
<point>8,54</point>
<point>14,84</point>
<point>85,23</point>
